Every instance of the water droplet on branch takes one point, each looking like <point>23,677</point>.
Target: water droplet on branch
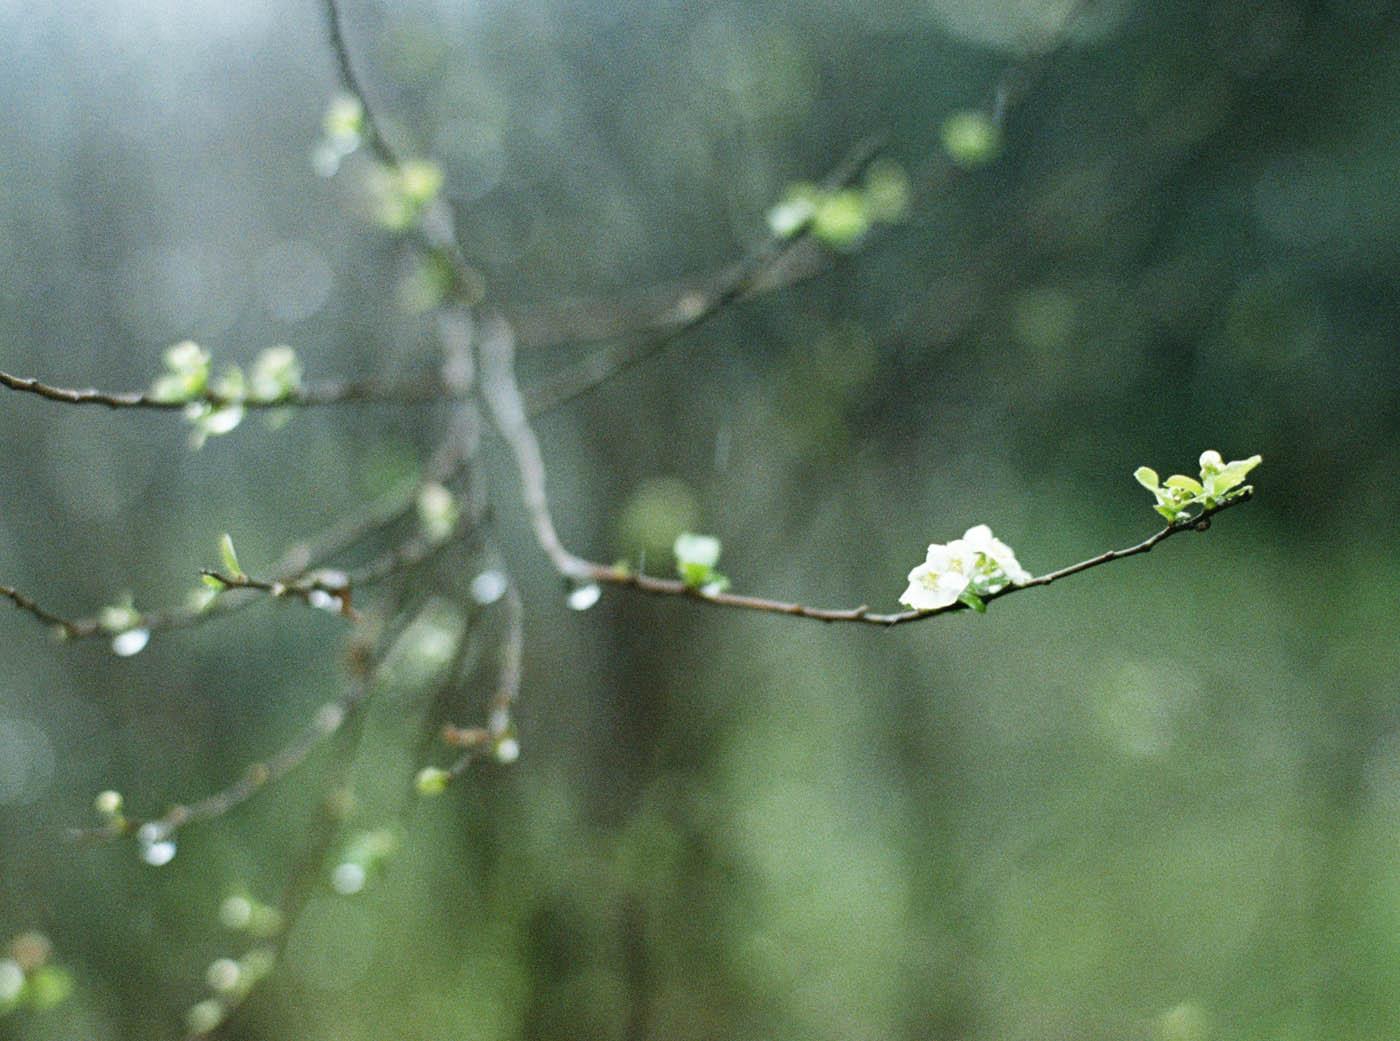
<point>582,597</point>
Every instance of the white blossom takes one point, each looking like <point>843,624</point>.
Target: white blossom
<point>978,563</point>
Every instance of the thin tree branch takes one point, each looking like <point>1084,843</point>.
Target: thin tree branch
<point>620,576</point>
<point>66,627</point>
<point>436,229</point>
<point>304,564</point>
<point>414,390</point>
<point>693,310</point>
<point>474,741</point>
<point>152,621</point>
<point>335,33</point>
<point>497,347</point>
<point>256,776</point>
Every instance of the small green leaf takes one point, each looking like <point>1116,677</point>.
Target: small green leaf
<point>204,1017</point>
<point>886,191</point>
<point>344,118</point>
<point>108,803</point>
<point>1183,483</point>
<point>841,218</point>
<point>700,577</point>
<point>696,557</point>
<point>1147,477</point>
<point>971,138</point>
<point>186,374</point>
<point>119,617</point>
<point>437,512</point>
<point>402,192</point>
<point>233,386</point>
<point>974,601</point>
<point>48,986</point>
<point>421,179</point>
<point>1220,479</point>
<point>431,780</point>
<point>276,374</point>
<point>228,556</point>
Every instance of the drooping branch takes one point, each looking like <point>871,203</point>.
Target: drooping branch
<point>620,576</point>
<point>256,776</point>
<point>502,393</point>
<point>304,572</point>
<point>497,736</point>
<point>497,347</point>
<point>97,625</point>
<point>67,627</point>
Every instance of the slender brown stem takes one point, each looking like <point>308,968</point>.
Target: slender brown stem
<point>620,576</point>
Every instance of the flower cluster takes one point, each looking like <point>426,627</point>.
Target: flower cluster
<point>965,569</point>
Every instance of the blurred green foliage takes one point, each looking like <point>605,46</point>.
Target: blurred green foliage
<point>1158,801</point>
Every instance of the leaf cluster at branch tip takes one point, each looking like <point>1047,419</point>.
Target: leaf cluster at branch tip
<point>1219,482</point>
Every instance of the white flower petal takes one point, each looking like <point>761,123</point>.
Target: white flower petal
<point>930,589</point>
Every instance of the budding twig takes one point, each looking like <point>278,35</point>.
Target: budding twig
<point>414,390</point>
<point>692,310</point>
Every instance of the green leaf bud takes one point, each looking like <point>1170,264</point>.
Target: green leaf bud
<point>431,780</point>
<point>971,138</point>
<point>204,1017</point>
<point>48,986</point>
<point>228,556</point>
<point>841,218</point>
<point>276,374</point>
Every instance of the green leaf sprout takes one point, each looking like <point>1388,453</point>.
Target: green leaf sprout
<point>437,512</point>
<point>696,557</point>
<point>276,375</point>
<point>342,131</point>
<point>401,193</point>
<point>186,374</point>
<point>971,138</point>
<point>1219,482</point>
<point>431,780</point>
<point>228,556</point>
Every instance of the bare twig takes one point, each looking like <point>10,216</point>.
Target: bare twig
<point>256,776</point>
<point>152,621</point>
<point>491,738</point>
<point>436,230</point>
<point>498,384</point>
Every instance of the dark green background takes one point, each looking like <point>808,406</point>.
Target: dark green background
<point>1159,801</point>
